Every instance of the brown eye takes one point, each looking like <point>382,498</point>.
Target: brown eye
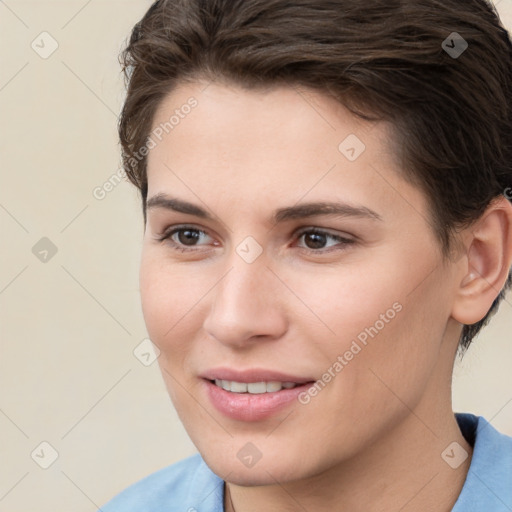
<point>181,237</point>
<point>187,236</point>
<point>316,240</point>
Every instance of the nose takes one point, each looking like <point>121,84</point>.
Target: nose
<point>245,305</point>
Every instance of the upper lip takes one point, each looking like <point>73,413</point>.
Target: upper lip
<point>252,375</point>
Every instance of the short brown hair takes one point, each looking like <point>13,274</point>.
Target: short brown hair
<point>382,59</point>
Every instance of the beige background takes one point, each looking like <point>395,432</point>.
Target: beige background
<point>69,326</point>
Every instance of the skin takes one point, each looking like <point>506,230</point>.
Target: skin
<point>372,439</point>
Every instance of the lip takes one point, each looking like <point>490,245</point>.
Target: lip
<point>253,375</point>
<point>250,407</point>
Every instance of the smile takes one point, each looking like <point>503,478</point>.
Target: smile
<point>255,388</point>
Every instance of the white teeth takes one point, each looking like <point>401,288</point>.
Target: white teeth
<point>255,388</point>
<point>238,387</point>
<point>274,386</point>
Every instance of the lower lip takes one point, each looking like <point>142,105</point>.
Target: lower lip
<point>252,407</point>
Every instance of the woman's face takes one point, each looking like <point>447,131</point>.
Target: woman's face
<point>247,292</point>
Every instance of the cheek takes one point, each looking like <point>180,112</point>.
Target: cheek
<point>377,321</point>
<point>349,301</point>
<point>399,343</point>
<point>170,297</point>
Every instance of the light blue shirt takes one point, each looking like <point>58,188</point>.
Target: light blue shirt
<point>190,485</point>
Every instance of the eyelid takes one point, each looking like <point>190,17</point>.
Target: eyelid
<point>343,241</point>
<point>323,231</point>
<point>176,227</point>
<point>169,231</point>
<point>311,228</point>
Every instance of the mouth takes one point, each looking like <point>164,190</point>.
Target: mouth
<point>254,388</point>
<point>253,395</point>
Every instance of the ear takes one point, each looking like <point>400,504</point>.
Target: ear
<point>487,263</point>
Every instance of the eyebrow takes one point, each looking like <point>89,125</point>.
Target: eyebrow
<point>300,211</point>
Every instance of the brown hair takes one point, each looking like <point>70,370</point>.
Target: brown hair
<point>391,60</point>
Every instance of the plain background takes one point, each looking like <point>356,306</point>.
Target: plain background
<point>69,325</point>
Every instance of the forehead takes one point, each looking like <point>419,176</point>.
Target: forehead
<point>281,141</point>
<point>280,110</point>
<point>220,121</point>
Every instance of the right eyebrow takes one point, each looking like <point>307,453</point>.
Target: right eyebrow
<point>170,203</point>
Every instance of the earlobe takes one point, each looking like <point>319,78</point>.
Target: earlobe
<point>487,263</point>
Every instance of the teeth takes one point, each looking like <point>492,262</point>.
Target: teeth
<point>238,387</point>
<point>255,388</point>
<point>273,386</point>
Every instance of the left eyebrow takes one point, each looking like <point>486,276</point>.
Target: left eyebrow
<point>303,210</point>
<point>324,208</point>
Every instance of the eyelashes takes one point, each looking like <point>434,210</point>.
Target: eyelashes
<point>316,235</point>
<point>169,233</point>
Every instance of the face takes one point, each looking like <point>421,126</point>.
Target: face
<point>248,283</point>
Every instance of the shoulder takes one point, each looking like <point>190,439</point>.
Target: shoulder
<point>488,484</point>
<point>187,485</point>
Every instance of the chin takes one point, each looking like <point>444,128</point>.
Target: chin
<point>265,471</point>
<point>252,477</point>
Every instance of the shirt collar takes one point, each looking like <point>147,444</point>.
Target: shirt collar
<point>488,484</point>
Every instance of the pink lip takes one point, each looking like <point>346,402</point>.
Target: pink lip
<point>247,406</point>
<point>253,375</point>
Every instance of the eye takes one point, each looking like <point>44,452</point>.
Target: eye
<point>317,238</point>
<point>187,238</point>
<point>182,237</point>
